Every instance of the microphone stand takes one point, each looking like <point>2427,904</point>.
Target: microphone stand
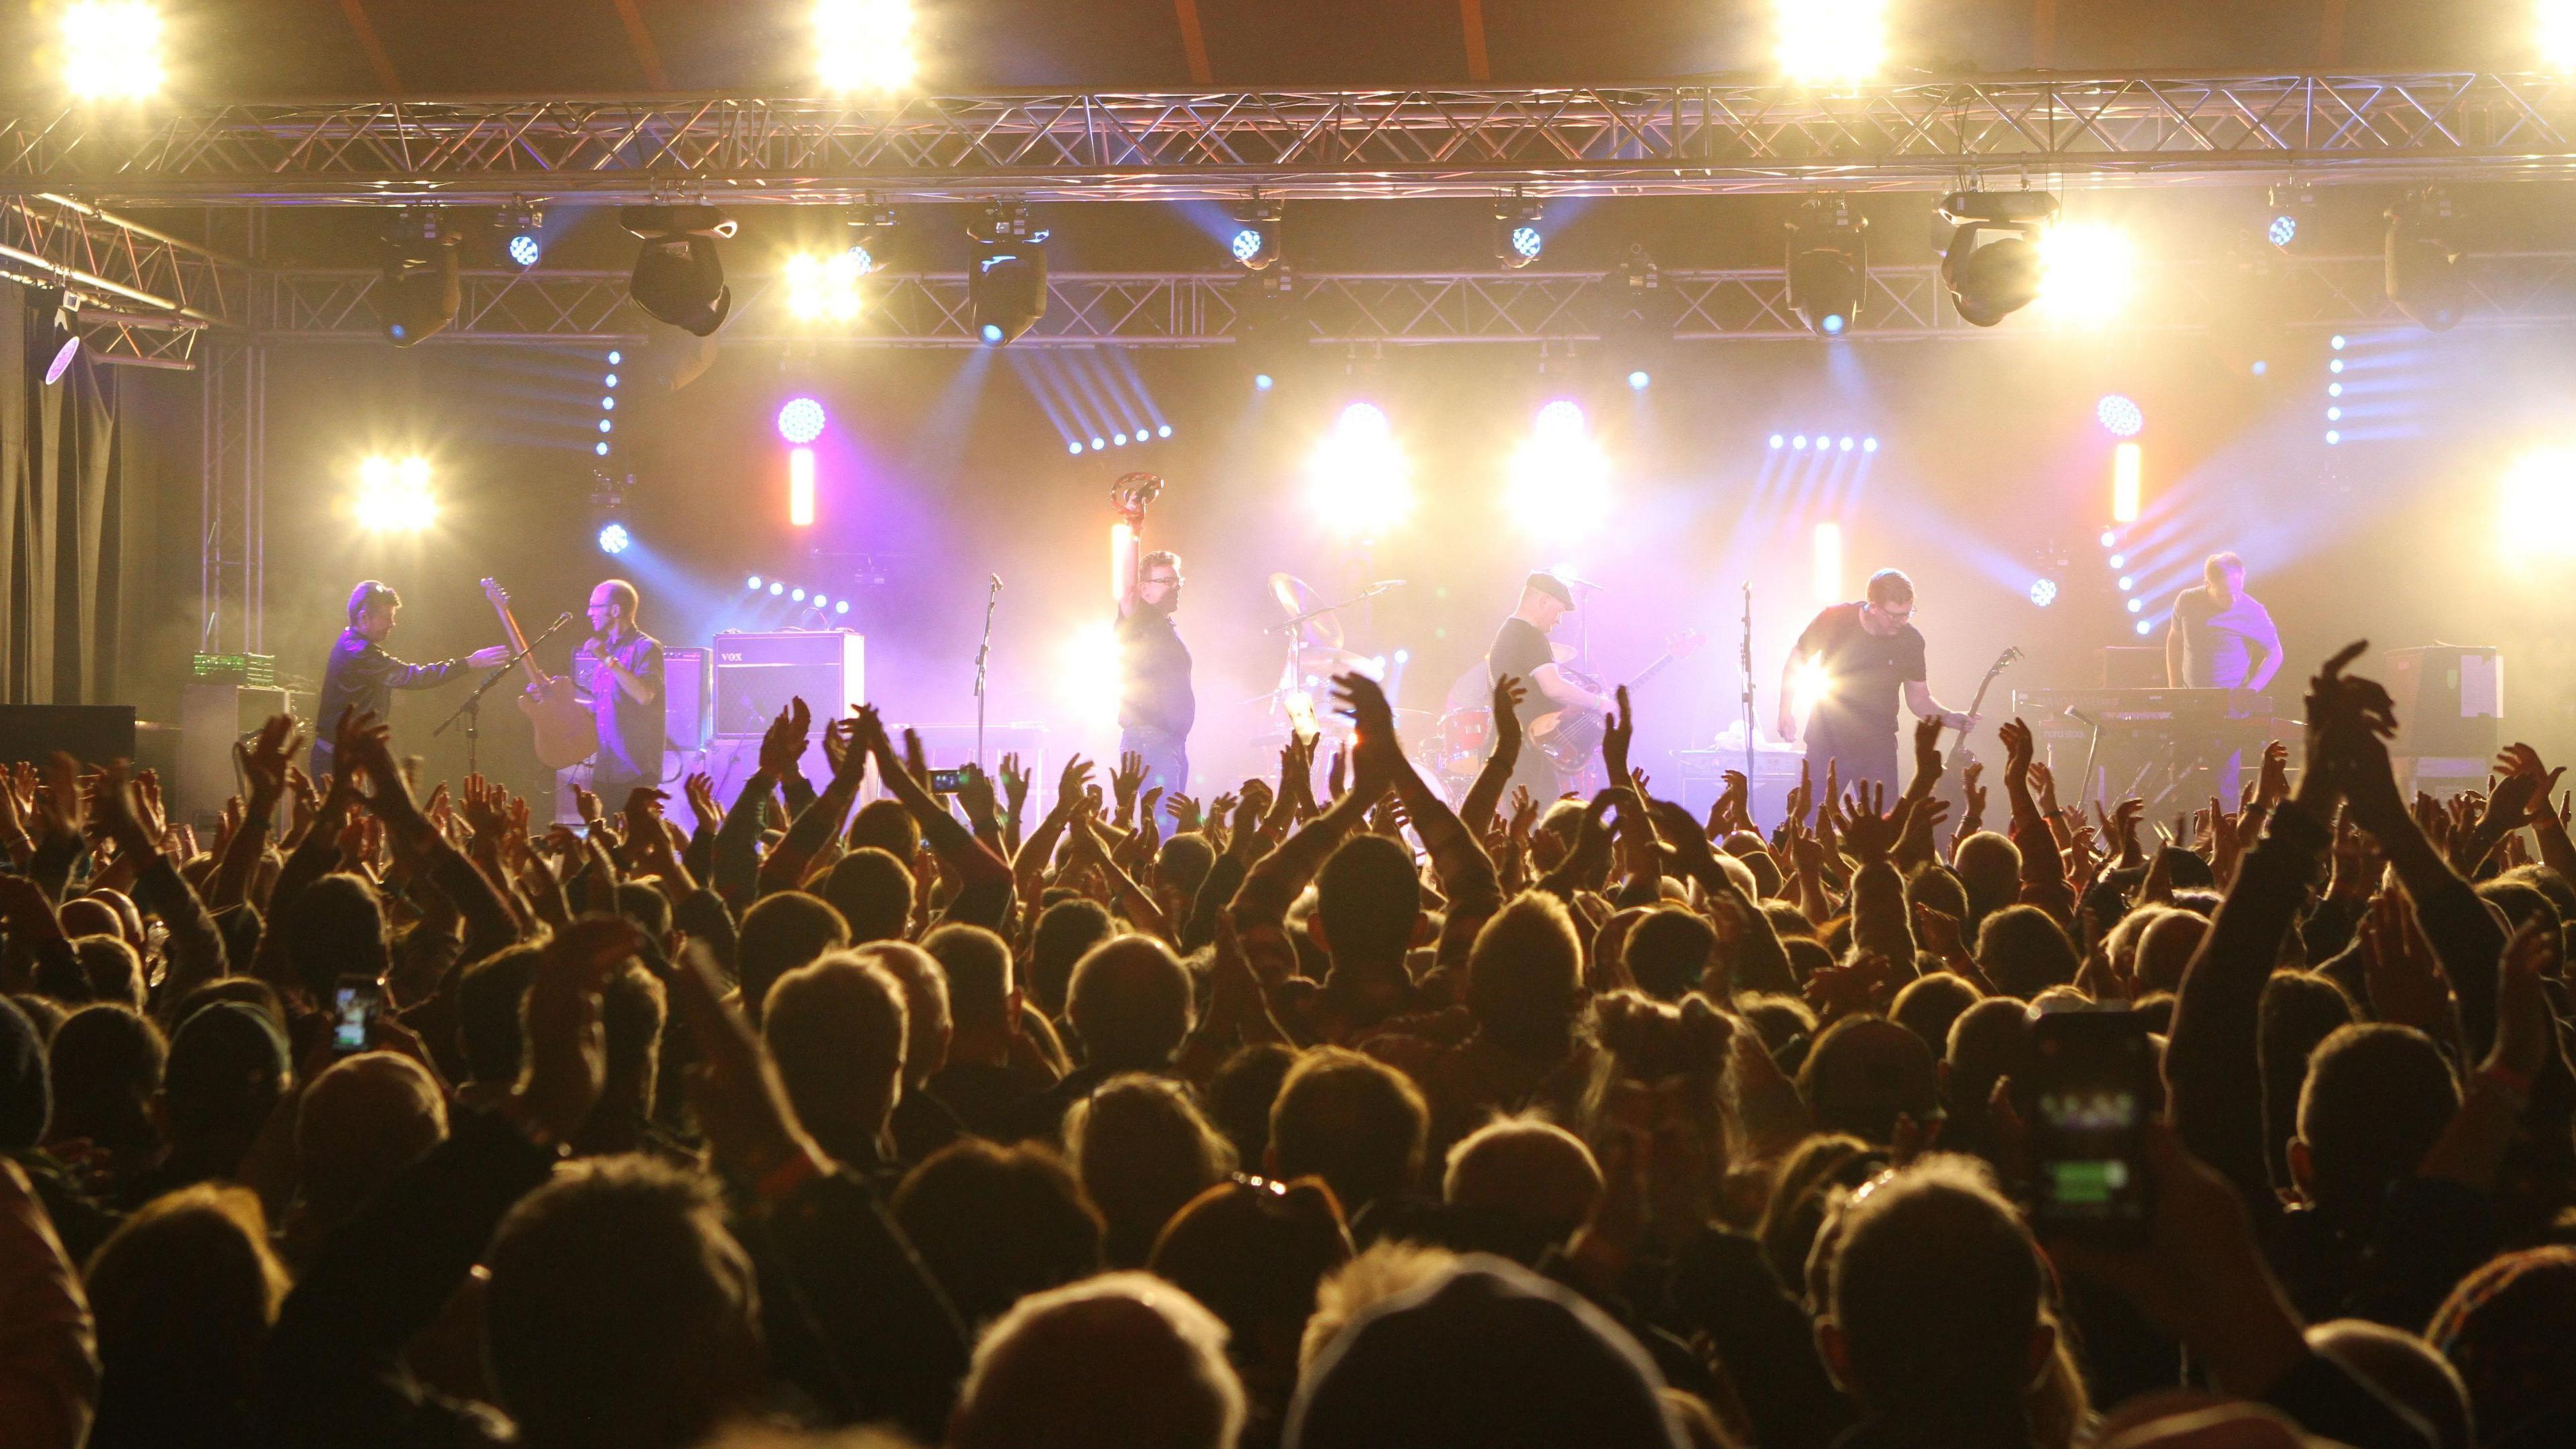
<point>1746,658</point>
<point>983,652</point>
<point>471,711</point>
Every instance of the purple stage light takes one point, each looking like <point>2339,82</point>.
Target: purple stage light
<point>801,421</point>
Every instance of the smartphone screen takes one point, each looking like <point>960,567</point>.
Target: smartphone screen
<point>945,782</point>
<point>353,1017</point>
<point>2091,1072</point>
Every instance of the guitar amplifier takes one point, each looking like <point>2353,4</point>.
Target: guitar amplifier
<point>757,674</point>
<point>691,691</point>
<point>2449,699</point>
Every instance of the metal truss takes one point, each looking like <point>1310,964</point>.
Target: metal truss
<point>1195,309</point>
<point>142,296</point>
<point>1644,139</point>
<point>232,518</point>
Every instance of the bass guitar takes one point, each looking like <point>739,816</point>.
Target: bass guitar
<point>1959,752</point>
<point>1570,737</point>
<point>566,732</point>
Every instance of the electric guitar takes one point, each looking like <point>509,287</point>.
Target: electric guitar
<point>1570,737</point>
<point>1959,752</point>
<point>566,731</point>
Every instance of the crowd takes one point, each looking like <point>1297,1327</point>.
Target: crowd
<point>1303,1117</point>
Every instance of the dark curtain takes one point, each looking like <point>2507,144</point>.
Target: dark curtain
<point>62,520</point>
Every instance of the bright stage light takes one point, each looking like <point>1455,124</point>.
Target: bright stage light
<point>841,606</point>
<point>393,497</point>
<point>825,288</point>
<point>1359,477</point>
<point>801,421</point>
<point>524,250</point>
<point>2136,604</point>
<point>1118,440</point>
<point>1087,674</point>
<point>1830,40</point>
<point>797,595</point>
<point>800,487</point>
<point>2043,592</point>
<point>2536,509</point>
<point>601,450</point>
<point>2333,437</point>
<point>752,583</point>
<point>2554,33</point>
<point>1992,264</point>
<point>1807,684</point>
<point>2087,271</point>
<point>1099,443</point>
<point>2119,416</point>
<point>2127,583</point>
<point>2108,540</point>
<point>1074,448</point>
<point>111,49</point>
<point>1640,380</point>
<point>1557,483</point>
<point>1163,431</point>
<point>1263,382</point>
<point>2146,627</point>
<point>1517,237</point>
<point>1869,445</point>
<point>1847,445</point>
<point>776,588</point>
<point>614,539</point>
<point>2283,230</point>
<point>864,45</point>
<point>1828,572</point>
<point>820,603</point>
<point>1798,442</point>
<point>2127,466</point>
<point>1778,441</point>
<point>2117,560</point>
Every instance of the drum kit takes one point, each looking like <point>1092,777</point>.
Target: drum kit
<point>1450,746</point>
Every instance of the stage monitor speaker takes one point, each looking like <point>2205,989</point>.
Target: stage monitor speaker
<point>691,715</point>
<point>211,718</point>
<point>90,733</point>
<point>757,674</point>
<point>2449,699</point>
<point>2133,666</point>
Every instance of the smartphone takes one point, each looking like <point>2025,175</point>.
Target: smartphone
<point>2093,1079</point>
<point>947,782</point>
<point>355,1005</point>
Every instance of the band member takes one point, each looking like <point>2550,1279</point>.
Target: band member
<point>1155,705</point>
<point>361,675</point>
<point>2221,637</point>
<point>620,667</point>
<point>1867,652</point>
<point>1521,650</point>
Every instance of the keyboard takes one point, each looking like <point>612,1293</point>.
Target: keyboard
<point>2115,708</point>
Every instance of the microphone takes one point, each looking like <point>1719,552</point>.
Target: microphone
<point>2080,717</point>
<point>1579,582</point>
<point>997,583</point>
<point>561,619</point>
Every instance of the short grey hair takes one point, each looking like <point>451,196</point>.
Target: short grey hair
<point>1159,556</point>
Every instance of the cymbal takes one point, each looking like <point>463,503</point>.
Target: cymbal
<point>1295,596</point>
<point>1323,662</point>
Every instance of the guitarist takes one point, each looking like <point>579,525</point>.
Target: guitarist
<point>620,667</point>
<point>1869,651</point>
<point>362,676</point>
<point>1521,650</point>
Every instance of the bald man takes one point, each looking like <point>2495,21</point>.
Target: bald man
<point>620,667</point>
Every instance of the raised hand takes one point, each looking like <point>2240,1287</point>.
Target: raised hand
<point>841,750</point>
<point>1185,813</point>
<point>701,790</point>
<point>1868,835</point>
<point>2273,786</point>
<point>1377,757</point>
<point>1927,753</point>
<point>1125,780</point>
<point>1336,773</point>
<point>1618,730</point>
<point>1733,804</point>
<point>1015,783</point>
<point>1973,791</point>
<point>584,804</point>
<point>784,743</point>
<point>115,807</point>
<point>1923,820</point>
<point>1506,706</point>
<point>61,813</point>
<point>264,760</point>
<point>1803,794</point>
<point>2043,787</point>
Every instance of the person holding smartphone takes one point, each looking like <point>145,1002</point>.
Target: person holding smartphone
<point>1155,704</point>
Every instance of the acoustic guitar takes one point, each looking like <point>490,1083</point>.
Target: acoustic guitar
<point>566,732</point>
<point>1569,737</point>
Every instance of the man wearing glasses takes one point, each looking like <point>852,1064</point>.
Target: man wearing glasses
<point>1155,706</point>
<point>1861,655</point>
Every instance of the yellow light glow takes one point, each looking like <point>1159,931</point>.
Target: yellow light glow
<point>1122,560</point>
<point>2554,32</point>
<point>864,45</point>
<point>824,288</point>
<point>1829,563</point>
<point>2536,512</point>
<point>1557,484</point>
<point>1359,477</point>
<point>1808,683</point>
<point>1087,673</point>
<point>1830,40</point>
<point>2087,272</point>
<point>111,49</point>
<point>2125,464</point>
<point>393,496</point>
<point>800,487</point>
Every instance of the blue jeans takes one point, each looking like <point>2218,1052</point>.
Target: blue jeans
<point>1166,756</point>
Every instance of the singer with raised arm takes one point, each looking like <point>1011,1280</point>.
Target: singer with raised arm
<point>1155,705</point>
<point>620,667</point>
<point>360,675</point>
<point>1854,659</point>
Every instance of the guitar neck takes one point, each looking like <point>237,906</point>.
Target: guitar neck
<point>518,642</point>
<point>1975,706</point>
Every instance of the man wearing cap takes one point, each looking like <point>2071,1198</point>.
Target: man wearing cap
<point>1865,653</point>
<point>1521,651</point>
<point>361,675</point>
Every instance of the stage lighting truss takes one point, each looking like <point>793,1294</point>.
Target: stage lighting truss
<point>1256,241</point>
<point>1992,263</point>
<point>1828,266</point>
<point>1638,314</point>
<point>421,287</point>
<point>522,224</point>
<point>1518,241</point>
<point>1006,287</point>
<point>871,235</point>
<point>678,277</point>
<point>2422,264</point>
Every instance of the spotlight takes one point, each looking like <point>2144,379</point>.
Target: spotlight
<point>1828,266</point>
<point>1360,479</point>
<point>1263,382</point>
<point>1118,440</point>
<point>1799,442</point>
<point>524,250</point>
<point>841,606</point>
<point>1164,431</point>
<point>2423,274</point>
<point>2146,627</point>
<point>1517,238</point>
<point>820,603</point>
<point>753,582</point>
<point>1074,448</point>
<point>2110,539</point>
<point>800,487</point>
<point>59,342</point>
<point>393,497</point>
<point>2043,592</point>
<point>2119,416</point>
<point>1992,264</point>
<point>1557,483</point>
<point>2554,33</point>
<point>2087,271</point>
<point>601,450</point>
<point>678,277</point>
<point>1006,290</point>
<point>801,421</point>
<point>1640,380</point>
<point>1778,441</point>
<point>111,49</point>
<point>615,358</point>
<point>1869,445</point>
<point>2536,513</point>
<point>419,281</point>
<point>1830,40</point>
<point>2135,605</point>
<point>776,588</point>
<point>1256,238</point>
<point>2117,560</point>
<point>1638,314</point>
<point>523,222</point>
<point>613,538</point>
<point>2283,230</point>
<point>864,44</point>
<point>825,288</point>
<point>1270,327</point>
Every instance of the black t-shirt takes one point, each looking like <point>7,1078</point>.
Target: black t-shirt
<point>1154,667</point>
<point>1864,673</point>
<point>1519,649</point>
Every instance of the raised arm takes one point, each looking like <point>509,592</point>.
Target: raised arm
<point>1466,874</point>
<point>983,881</point>
<point>1487,792</point>
<point>818,823</point>
<point>264,763</point>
